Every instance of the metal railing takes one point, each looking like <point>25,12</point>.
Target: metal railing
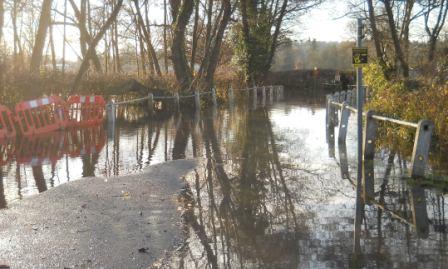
<point>271,90</point>
<point>341,102</point>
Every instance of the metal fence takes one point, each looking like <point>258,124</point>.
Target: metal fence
<point>271,91</point>
<point>342,102</point>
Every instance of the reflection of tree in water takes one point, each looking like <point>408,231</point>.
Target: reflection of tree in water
<point>246,219</point>
<point>403,223</point>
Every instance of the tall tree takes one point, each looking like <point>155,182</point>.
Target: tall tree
<point>181,12</point>
<point>39,43</point>
<point>2,14</point>
<point>85,37</point>
<point>145,29</point>
<point>260,30</point>
<point>92,45</point>
<point>438,10</point>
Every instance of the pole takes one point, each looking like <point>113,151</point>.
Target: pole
<point>359,203</point>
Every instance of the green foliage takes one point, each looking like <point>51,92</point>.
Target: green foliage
<point>392,98</point>
<point>253,57</point>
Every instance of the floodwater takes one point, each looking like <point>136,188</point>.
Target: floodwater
<point>270,192</point>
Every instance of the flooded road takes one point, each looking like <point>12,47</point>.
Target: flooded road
<point>270,192</point>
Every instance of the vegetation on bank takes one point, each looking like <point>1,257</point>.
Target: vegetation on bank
<point>429,100</point>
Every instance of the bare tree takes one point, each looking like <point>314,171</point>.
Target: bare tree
<point>437,9</point>
<point>44,23</point>
<point>181,11</point>
<point>145,30</point>
<point>92,45</point>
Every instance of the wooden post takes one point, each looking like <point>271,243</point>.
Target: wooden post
<point>214,102</point>
<point>343,125</point>
<point>271,94</point>
<point>197,100</point>
<point>421,148</point>
<point>151,103</point>
<point>177,101</point>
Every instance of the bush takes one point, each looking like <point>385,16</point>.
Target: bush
<point>392,98</point>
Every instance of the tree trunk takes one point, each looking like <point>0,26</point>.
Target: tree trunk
<point>117,49</point>
<point>400,57</point>
<point>53,52</point>
<point>64,37</point>
<point>376,39</point>
<point>165,44</point>
<point>181,15</point>
<point>85,36</point>
<point>145,30</point>
<point>213,56</point>
<point>2,13</point>
<point>44,23</point>
<point>91,51</point>
<point>195,35</point>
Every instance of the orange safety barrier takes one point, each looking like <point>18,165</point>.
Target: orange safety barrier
<point>41,115</point>
<point>7,128</point>
<point>85,110</point>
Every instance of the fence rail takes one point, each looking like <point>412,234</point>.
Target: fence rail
<point>341,102</point>
<point>271,90</point>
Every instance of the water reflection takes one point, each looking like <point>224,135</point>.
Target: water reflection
<point>270,192</point>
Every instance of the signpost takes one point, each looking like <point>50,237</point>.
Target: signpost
<point>359,56</point>
<point>359,59</point>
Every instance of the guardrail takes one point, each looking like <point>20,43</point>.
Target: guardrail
<point>342,102</point>
<point>272,91</point>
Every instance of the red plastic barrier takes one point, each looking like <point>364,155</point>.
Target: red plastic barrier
<point>7,128</point>
<point>86,110</point>
<point>41,115</point>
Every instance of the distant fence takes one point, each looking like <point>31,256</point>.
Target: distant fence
<point>343,102</point>
<point>272,92</point>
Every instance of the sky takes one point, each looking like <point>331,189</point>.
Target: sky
<point>324,23</point>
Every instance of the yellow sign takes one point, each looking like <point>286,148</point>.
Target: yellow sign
<point>359,56</point>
